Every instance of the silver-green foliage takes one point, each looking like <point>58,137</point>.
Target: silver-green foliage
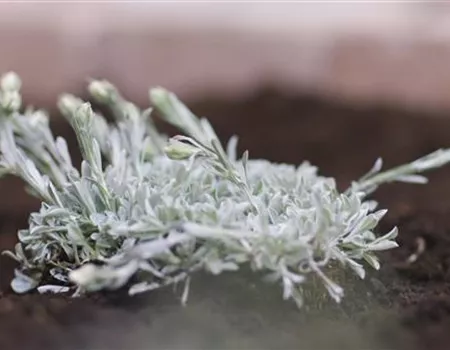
<point>159,209</point>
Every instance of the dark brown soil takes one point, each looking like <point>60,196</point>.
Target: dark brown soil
<point>403,306</point>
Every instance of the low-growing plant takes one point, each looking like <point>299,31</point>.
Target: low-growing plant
<point>146,211</point>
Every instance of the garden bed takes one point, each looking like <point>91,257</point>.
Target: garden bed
<point>405,305</point>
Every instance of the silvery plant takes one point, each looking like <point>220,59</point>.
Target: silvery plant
<point>144,211</point>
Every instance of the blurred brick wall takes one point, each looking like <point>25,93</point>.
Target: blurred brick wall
<point>395,52</point>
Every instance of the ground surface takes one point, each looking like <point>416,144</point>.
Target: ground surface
<point>403,306</point>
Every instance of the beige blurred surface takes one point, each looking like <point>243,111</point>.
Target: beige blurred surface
<point>388,52</point>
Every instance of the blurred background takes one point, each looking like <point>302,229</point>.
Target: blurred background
<point>395,52</point>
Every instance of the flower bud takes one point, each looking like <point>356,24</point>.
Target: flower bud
<point>84,113</point>
<point>68,104</point>
<point>164,101</point>
<point>159,96</point>
<point>102,91</point>
<point>10,82</point>
<point>177,150</point>
<point>11,101</point>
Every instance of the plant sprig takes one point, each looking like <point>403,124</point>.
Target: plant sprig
<point>159,209</point>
